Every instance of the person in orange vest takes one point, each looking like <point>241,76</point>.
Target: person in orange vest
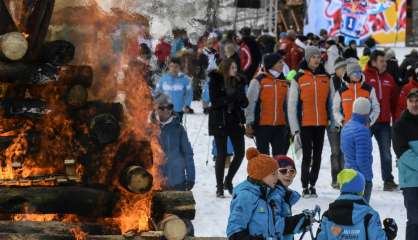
<point>309,112</point>
<point>265,114</point>
<point>353,88</point>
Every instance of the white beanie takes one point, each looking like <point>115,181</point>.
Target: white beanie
<point>362,106</point>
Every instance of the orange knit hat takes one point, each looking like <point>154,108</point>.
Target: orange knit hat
<point>259,165</point>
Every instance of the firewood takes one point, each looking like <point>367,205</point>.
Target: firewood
<point>58,52</point>
<point>104,128</point>
<point>78,200</point>
<point>178,203</point>
<point>28,108</point>
<point>13,45</point>
<point>7,23</point>
<point>73,75</point>
<point>173,227</point>
<point>136,179</point>
<point>77,96</point>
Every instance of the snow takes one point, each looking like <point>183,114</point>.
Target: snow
<point>212,213</point>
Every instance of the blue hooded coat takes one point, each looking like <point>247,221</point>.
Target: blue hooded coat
<point>356,145</point>
<point>346,219</point>
<point>408,167</point>
<point>178,167</point>
<point>253,210</point>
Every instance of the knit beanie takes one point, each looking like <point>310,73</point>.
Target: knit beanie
<point>362,106</point>
<point>351,181</point>
<point>259,165</point>
<point>310,51</point>
<point>353,67</point>
<point>269,60</point>
<point>284,161</point>
<point>340,62</point>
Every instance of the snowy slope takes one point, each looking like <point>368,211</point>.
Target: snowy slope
<point>212,213</point>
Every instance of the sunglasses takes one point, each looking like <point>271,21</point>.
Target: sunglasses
<point>162,108</point>
<point>287,171</point>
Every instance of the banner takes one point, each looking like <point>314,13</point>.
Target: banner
<point>358,20</point>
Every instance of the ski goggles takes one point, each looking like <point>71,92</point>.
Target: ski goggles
<point>287,171</point>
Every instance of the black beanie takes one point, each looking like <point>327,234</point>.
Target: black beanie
<point>269,60</point>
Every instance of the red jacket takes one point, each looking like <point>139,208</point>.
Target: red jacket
<point>293,54</point>
<point>162,51</point>
<point>245,56</point>
<point>386,92</point>
<point>402,97</point>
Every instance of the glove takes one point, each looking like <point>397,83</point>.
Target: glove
<point>249,131</point>
<point>390,227</point>
<point>297,141</point>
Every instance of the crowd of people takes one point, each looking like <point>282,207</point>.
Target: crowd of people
<point>291,90</point>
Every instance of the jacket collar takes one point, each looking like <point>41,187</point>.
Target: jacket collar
<point>320,70</point>
<point>359,118</point>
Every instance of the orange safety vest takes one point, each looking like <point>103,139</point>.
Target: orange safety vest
<point>271,101</point>
<point>314,93</point>
<point>349,93</point>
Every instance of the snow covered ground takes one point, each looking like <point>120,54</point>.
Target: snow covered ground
<point>212,213</point>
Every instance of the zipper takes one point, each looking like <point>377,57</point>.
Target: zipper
<point>275,102</point>
<point>316,100</point>
<point>380,86</point>
<point>355,91</point>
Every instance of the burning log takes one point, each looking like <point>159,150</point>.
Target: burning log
<point>7,23</point>
<point>13,45</point>
<point>136,179</point>
<point>77,96</point>
<point>57,52</point>
<point>56,228</point>
<point>178,203</point>
<point>30,108</point>
<point>104,128</point>
<point>78,200</point>
<point>72,75</point>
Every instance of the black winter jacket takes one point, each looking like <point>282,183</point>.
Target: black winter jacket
<point>404,131</point>
<point>226,113</point>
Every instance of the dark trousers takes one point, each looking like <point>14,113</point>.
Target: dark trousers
<point>238,143</point>
<point>410,196</point>
<point>337,157</point>
<point>312,144</point>
<point>275,136</point>
<point>383,135</point>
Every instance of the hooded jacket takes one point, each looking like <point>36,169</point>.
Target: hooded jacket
<point>178,167</point>
<point>345,219</point>
<point>404,131</point>
<point>386,91</point>
<point>408,167</point>
<point>178,88</point>
<point>403,96</point>
<point>253,212</point>
<point>344,98</point>
<point>356,145</point>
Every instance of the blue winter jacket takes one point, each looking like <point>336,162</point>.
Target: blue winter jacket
<point>285,199</point>
<point>356,145</point>
<point>178,88</point>
<point>345,219</point>
<point>253,211</point>
<point>178,167</point>
<point>408,167</point>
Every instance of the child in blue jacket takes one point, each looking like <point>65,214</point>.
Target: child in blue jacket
<point>350,217</point>
<point>253,212</point>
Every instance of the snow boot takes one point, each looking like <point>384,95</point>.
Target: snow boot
<point>312,191</point>
<point>228,186</point>
<point>390,186</point>
<point>306,193</point>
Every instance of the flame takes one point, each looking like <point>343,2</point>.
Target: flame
<point>26,35</point>
<point>78,233</point>
<point>115,74</point>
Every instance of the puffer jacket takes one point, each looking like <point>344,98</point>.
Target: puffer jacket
<point>408,167</point>
<point>253,212</point>
<point>178,167</point>
<point>356,145</point>
<point>285,199</point>
<point>347,218</point>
